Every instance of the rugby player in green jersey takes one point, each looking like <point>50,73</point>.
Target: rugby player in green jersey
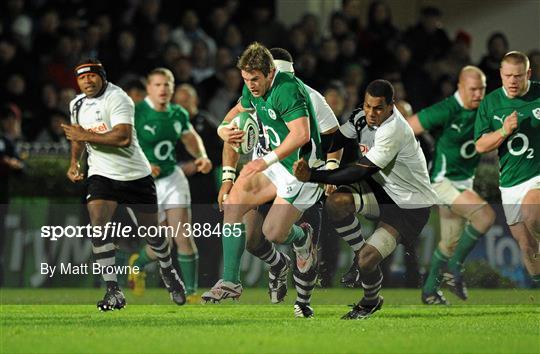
<point>464,215</point>
<point>160,125</point>
<point>290,131</point>
<point>508,121</point>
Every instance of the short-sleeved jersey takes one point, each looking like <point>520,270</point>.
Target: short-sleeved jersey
<point>100,114</point>
<point>455,153</point>
<point>323,112</point>
<point>285,101</point>
<point>158,133</point>
<point>393,148</point>
<point>519,154</point>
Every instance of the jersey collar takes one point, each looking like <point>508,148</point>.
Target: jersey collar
<point>458,99</point>
<point>151,104</point>
<point>526,91</point>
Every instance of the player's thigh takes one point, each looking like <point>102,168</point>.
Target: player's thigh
<point>530,208</point>
<point>101,211</point>
<point>280,218</point>
<point>249,192</point>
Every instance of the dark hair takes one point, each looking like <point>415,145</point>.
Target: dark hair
<point>497,35</point>
<point>88,61</point>
<point>281,54</point>
<point>381,88</point>
<point>256,57</point>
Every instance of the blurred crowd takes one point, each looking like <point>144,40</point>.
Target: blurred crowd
<point>40,42</point>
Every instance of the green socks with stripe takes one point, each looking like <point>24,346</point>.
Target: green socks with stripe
<point>233,240</point>
<point>189,265</point>
<point>438,260</point>
<point>466,243</point>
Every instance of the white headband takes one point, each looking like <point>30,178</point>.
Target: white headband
<point>283,65</point>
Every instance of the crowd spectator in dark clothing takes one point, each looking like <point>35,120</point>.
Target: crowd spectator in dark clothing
<point>497,46</point>
<point>428,39</point>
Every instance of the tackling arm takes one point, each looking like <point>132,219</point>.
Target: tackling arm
<point>345,175</point>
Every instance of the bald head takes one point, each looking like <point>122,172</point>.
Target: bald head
<point>471,86</point>
<point>471,71</point>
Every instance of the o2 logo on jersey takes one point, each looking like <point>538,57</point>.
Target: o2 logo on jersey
<point>272,114</point>
<point>524,146</point>
<point>274,139</point>
<point>468,150</point>
<point>363,148</point>
<point>163,150</point>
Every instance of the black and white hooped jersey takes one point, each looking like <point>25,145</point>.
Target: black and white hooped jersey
<point>394,149</point>
<point>100,115</point>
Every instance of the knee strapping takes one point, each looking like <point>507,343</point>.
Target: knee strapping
<point>383,241</point>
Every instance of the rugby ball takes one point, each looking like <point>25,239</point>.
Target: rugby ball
<point>247,123</point>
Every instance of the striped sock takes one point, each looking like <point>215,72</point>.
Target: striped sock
<point>160,246</point>
<point>268,254</point>
<point>304,284</point>
<point>371,283</point>
<point>536,278</point>
<point>104,254</point>
<point>349,229</point>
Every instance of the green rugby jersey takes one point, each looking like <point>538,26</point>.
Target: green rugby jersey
<point>285,101</point>
<point>455,154</point>
<point>519,154</point>
<point>158,133</point>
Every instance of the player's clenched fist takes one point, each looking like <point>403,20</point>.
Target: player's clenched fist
<point>510,123</point>
<point>301,170</point>
<point>204,165</point>
<point>74,173</point>
<point>226,187</point>
<point>74,132</point>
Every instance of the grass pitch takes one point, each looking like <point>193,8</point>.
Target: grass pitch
<point>66,321</point>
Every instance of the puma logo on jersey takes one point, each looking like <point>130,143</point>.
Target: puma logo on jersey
<point>151,129</point>
<point>501,119</point>
<point>456,127</point>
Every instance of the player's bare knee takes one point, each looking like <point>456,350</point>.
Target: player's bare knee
<point>273,232</point>
<point>339,205</point>
<point>483,218</point>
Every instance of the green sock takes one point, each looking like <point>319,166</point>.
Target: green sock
<point>536,278</point>
<point>189,265</point>
<point>438,260</point>
<point>466,243</point>
<point>233,248</point>
<point>296,236</point>
<point>143,259</point>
